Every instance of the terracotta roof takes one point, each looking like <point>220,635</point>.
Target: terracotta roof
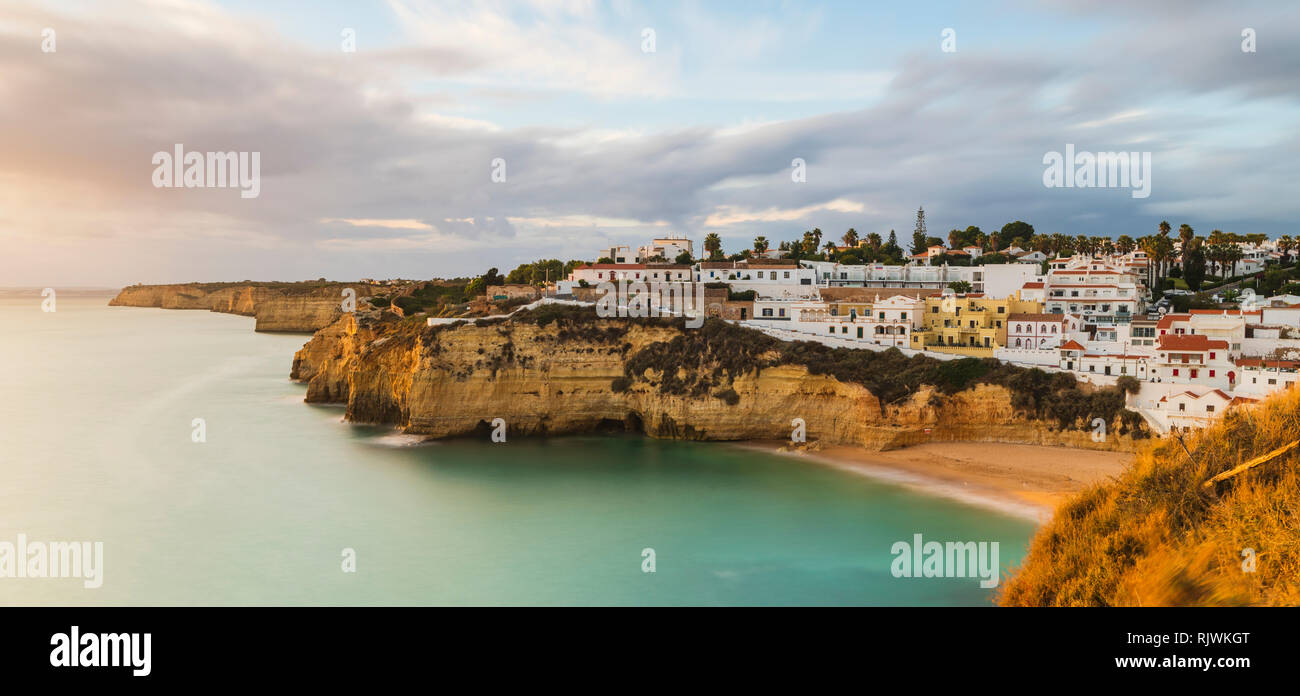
<point>1222,312</point>
<point>1026,316</point>
<point>1194,395</point>
<point>1197,342</point>
<point>1072,345</point>
<point>1264,362</point>
<point>1168,320</point>
<point>1032,286</point>
<point>614,266</point>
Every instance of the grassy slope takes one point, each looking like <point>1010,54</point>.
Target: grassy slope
<point>1156,536</point>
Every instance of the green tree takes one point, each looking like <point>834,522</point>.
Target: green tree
<point>918,243</point>
<point>1017,233</point>
<point>891,250</point>
<point>961,287</point>
<point>1194,267</point>
<point>760,244</point>
<point>713,245</point>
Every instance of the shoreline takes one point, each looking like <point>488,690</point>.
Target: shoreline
<point>1024,481</point>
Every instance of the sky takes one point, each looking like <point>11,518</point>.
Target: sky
<point>459,136</point>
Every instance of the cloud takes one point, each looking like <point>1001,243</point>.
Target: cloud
<point>367,171</point>
<point>407,224</point>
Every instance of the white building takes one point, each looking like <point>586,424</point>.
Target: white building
<point>1190,410</point>
<point>1039,331</point>
<point>669,248</point>
<point>994,280</point>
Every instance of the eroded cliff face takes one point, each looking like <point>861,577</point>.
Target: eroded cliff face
<point>280,307</point>
<point>552,379</point>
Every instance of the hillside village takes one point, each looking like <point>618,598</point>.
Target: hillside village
<point>1085,306</point>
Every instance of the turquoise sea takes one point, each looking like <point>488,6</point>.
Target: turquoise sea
<point>97,415</point>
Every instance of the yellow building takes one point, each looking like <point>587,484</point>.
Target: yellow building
<point>970,325</point>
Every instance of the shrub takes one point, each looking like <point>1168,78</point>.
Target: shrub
<point>729,396</point>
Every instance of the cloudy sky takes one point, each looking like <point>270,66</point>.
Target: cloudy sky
<point>378,162</point>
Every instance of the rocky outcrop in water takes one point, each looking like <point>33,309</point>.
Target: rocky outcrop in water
<point>557,378</point>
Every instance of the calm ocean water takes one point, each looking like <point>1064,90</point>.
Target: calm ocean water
<point>96,412</point>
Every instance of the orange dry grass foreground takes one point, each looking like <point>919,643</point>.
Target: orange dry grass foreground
<point>1158,536</point>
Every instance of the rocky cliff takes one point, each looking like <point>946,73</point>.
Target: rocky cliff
<point>562,377</point>
<point>287,307</point>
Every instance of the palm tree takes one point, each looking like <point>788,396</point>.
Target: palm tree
<point>874,241</point>
<point>1215,252</point>
<point>1235,254</point>
<point>1185,233</point>
<point>1148,246</point>
<point>760,245</point>
<point>713,245</point>
<point>1124,244</point>
<point>954,237</point>
<point>850,238</point>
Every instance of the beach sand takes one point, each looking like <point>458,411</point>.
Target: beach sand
<point>1028,481</point>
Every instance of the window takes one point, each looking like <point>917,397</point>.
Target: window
<point>1181,406</point>
<point>767,311</point>
<point>787,274</point>
<point>844,329</point>
<point>1211,354</point>
<point>1175,372</point>
<point>832,329</point>
<point>1054,328</point>
<point>859,332</point>
<point>934,310</point>
<point>1194,373</point>
<point>1211,373</point>
<point>903,315</point>
<point>1209,408</point>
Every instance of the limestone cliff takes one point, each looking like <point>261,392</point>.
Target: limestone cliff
<point>286,307</point>
<point>561,378</point>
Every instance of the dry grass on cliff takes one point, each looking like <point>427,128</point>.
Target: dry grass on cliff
<point>1158,537</point>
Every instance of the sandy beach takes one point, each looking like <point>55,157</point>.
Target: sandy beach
<point>1024,480</point>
